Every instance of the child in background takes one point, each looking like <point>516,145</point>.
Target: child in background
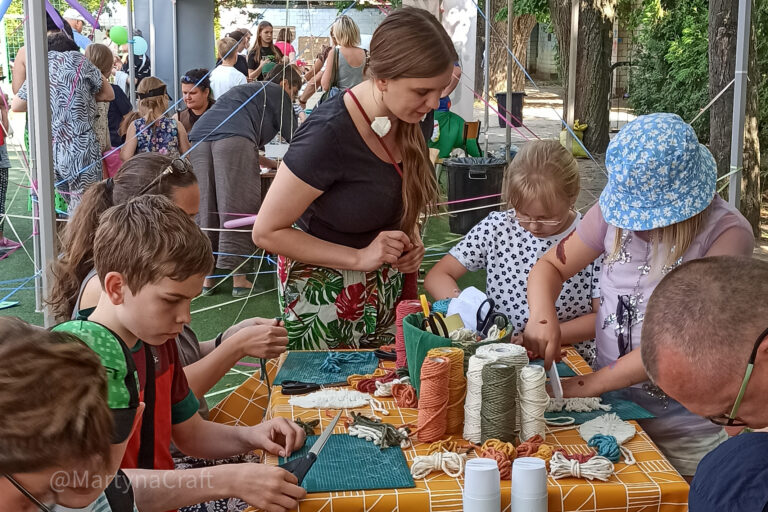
<point>658,209</point>
<point>225,76</point>
<point>540,187</point>
<point>5,164</point>
<point>148,280</point>
<point>149,129</point>
<point>103,58</point>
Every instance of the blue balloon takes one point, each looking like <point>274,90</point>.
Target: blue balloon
<point>4,5</point>
<point>140,45</point>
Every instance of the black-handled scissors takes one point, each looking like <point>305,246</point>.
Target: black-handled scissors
<point>385,355</point>
<point>296,387</point>
<point>301,466</point>
<point>490,317</point>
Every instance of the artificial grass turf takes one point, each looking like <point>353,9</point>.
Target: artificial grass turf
<point>207,319</point>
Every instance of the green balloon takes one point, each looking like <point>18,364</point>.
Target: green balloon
<point>118,35</point>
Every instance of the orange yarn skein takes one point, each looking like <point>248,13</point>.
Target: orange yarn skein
<point>457,387</point>
<point>433,400</point>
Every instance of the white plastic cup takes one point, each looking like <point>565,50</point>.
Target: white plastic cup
<point>529,485</point>
<point>482,486</point>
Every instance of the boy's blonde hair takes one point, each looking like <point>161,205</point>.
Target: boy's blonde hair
<point>149,238</point>
<point>345,31</point>
<point>101,57</point>
<point>67,421</point>
<point>224,46</point>
<point>542,171</point>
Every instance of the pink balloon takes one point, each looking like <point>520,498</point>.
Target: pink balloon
<point>238,223</point>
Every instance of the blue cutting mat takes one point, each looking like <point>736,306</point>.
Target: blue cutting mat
<point>305,367</point>
<point>624,408</point>
<point>562,369</point>
<point>349,463</point>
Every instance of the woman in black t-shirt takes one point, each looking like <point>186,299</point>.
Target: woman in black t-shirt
<point>357,196</point>
<point>264,55</point>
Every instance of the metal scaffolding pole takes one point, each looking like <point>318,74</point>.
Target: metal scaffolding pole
<point>175,31</point>
<point>40,129</point>
<point>739,102</point>
<point>510,63</point>
<point>131,57</point>
<point>487,63</point>
<point>572,58</point>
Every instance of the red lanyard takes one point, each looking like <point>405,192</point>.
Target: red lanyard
<point>381,141</point>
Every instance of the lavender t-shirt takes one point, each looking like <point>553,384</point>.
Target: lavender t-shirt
<point>633,275</point>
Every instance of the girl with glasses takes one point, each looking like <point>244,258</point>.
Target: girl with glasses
<point>540,188</point>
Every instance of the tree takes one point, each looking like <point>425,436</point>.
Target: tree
<point>593,71</point>
<point>723,22</point>
<point>527,13</point>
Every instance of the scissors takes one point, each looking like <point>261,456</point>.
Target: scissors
<point>296,387</point>
<point>301,465</point>
<point>489,318</point>
<point>433,322</point>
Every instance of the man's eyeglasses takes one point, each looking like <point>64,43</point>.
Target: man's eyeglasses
<point>39,504</point>
<point>178,165</point>
<point>730,420</point>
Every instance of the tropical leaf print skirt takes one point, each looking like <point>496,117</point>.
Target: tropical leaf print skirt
<point>326,308</point>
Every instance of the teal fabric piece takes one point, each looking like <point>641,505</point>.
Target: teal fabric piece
<point>625,409</point>
<point>349,463</point>
<point>562,368</point>
<point>304,366</point>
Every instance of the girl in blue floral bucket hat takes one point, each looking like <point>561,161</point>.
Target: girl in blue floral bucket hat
<point>658,209</point>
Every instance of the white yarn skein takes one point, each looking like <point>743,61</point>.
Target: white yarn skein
<point>583,404</point>
<point>451,463</point>
<point>385,388</point>
<point>337,399</point>
<point>474,396</point>
<point>375,436</point>
<point>514,355</point>
<point>597,467</point>
<point>533,401</point>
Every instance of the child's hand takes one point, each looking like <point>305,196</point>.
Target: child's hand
<point>582,386</point>
<point>258,337</point>
<point>278,436</point>
<point>386,248</point>
<point>265,487</point>
<point>542,336</point>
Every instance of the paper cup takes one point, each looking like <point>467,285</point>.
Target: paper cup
<point>481,479</point>
<point>529,478</point>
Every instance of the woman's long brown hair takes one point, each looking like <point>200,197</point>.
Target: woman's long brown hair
<point>256,50</point>
<point>411,43</point>
<point>76,260</point>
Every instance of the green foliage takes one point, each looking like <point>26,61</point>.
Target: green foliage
<point>672,71</point>
<point>538,8</point>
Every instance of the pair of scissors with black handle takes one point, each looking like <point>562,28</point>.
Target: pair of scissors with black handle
<point>301,466</point>
<point>296,387</point>
<point>490,317</point>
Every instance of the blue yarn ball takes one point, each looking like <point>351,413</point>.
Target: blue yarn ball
<point>606,446</point>
<point>441,306</point>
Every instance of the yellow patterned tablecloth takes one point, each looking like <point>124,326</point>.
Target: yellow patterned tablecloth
<point>650,485</point>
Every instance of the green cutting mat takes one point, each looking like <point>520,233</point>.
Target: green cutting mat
<point>305,367</point>
<point>624,408</point>
<point>563,370</point>
<point>349,463</point>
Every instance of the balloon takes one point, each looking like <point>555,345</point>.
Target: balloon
<point>118,35</point>
<point>4,5</point>
<point>84,13</point>
<point>140,45</point>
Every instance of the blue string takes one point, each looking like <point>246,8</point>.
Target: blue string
<point>334,360</point>
<point>18,287</point>
<point>606,446</point>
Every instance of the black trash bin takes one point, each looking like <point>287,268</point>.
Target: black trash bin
<point>468,178</point>
<point>516,108</point>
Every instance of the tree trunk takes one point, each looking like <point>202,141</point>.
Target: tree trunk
<point>521,33</point>
<point>723,23</point>
<point>593,72</point>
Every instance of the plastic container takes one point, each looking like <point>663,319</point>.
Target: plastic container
<point>482,488</point>
<point>515,108</point>
<point>529,485</point>
<point>468,178</point>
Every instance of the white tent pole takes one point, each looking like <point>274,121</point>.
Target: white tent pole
<point>131,58</point>
<point>510,63</point>
<point>573,51</point>
<point>487,63</point>
<point>739,102</point>
<point>152,53</point>
<point>40,129</point>
<point>175,30</point>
